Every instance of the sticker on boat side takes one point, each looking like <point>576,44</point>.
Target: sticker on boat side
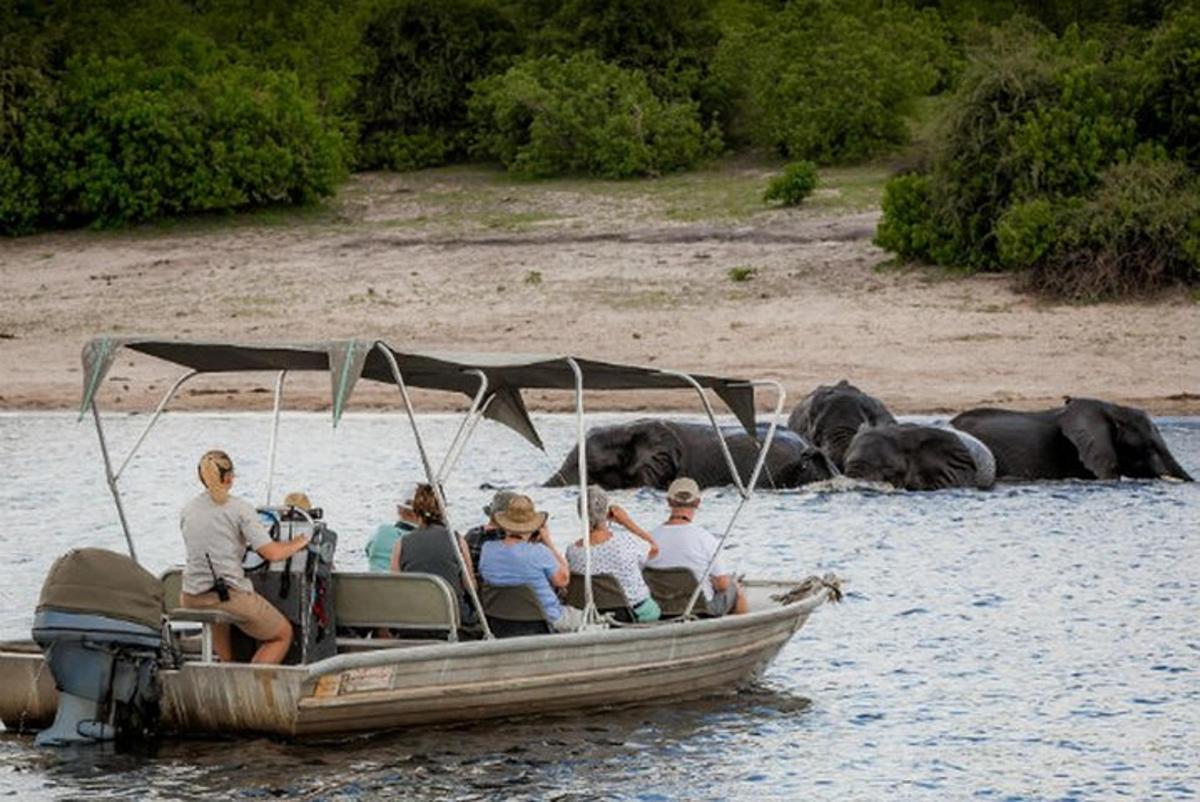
<point>357,680</point>
<point>328,686</point>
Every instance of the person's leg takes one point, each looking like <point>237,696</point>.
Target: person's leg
<point>259,619</point>
<point>274,650</point>
<point>222,640</point>
<point>742,605</point>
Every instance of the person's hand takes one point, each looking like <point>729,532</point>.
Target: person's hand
<point>653,548</point>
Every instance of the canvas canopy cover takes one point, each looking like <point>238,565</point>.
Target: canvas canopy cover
<point>351,359</point>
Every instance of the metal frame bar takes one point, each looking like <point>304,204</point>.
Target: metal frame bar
<point>712,419</point>
<point>464,431</point>
<point>158,411</point>
<point>435,484</point>
<point>746,492</point>
<point>112,477</point>
<point>590,613</point>
<point>271,448</point>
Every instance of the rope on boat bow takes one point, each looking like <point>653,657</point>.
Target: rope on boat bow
<point>830,582</point>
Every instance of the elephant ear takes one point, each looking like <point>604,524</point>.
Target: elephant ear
<point>1087,425</point>
<point>940,459</point>
<point>655,455</point>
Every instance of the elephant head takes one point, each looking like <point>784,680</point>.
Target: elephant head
<point>831,415</point>
<point>812,465</point>
<point>912,457</point>
<point>1115,441</point>
<point>645,453</point>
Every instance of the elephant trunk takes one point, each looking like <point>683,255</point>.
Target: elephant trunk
<point>1169,468</point>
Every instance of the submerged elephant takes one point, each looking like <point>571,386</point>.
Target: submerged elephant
<point>915,457</point>
<point>831,415</point>
<point>652,453</point>
<point>1084,439</point>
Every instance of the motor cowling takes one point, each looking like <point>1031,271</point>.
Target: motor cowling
<point>99,623</point>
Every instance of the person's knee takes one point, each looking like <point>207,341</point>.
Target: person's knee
<point>283,632</point>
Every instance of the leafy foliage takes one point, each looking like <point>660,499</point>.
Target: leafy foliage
<point>1041,154</point>
<point>798,181</point>
<point>411,103</point>
<point>831,81</point>
<point>550,116</point>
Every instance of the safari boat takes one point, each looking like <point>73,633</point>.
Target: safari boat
<point>108,658</point>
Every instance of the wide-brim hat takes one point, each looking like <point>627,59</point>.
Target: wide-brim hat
<point>298,500</point>
<point>520,516</point>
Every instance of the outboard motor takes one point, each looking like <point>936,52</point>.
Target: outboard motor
<point>100,625</point>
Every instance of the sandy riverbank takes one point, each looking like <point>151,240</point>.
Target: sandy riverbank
<point>637,272</point>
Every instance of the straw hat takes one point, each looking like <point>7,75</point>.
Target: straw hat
<point>520,516</point>
<point>297,500</point>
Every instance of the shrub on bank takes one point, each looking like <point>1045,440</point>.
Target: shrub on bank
<point>798,181</point>
<point>121,142</point>
<point>1051,160</point>
<point>831,81</point>
<point>550,116</point>
<point>411,104</point>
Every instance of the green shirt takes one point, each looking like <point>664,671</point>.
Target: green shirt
<point>379,547</point>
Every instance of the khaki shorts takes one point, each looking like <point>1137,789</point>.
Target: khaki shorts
<point>255,616</point>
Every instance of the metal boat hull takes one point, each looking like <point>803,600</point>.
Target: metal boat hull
<point>449,682</point>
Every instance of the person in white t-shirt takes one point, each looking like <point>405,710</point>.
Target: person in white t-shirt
<point>620,552</point>
<point>682,543</point>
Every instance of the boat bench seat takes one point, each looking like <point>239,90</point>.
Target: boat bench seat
<point>607,593</point>
<point>672,588</point>
<point>513,610</point>
<point>421,605</point>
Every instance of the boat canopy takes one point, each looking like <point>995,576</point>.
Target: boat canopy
<point>350,359</point>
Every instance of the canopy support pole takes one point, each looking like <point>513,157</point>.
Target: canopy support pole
<point>271,448</point>
<point>712,419</point>
<point>468,579</point>
<point>746,492</point>
<point>466,428</point>
<point>590,613</point>
<point>158,411</point>
<point>112,481</point>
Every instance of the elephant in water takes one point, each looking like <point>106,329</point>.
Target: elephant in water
<point>652,453</point>
<point>1084,439</point>
<point>831,415</point>
<point>915,457</point>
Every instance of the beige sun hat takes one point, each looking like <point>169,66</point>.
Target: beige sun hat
<point>297,500</point>
<point>684,492</point>
<point>520,516</point>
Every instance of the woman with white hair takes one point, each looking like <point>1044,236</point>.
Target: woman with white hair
<point>621,553</point>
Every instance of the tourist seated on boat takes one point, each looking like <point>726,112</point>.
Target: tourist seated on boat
<point>383,542</point>
<point>621,553</point>
<point>488,530</point>
<point>526,555</point>
<point>682,543</point>
<point>217,529</point>
<point>430,549</point>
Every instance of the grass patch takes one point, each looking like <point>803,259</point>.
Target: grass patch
<point>742,273</point>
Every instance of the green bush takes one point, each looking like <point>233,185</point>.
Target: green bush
<point>1170,111</point>
<point>1032,116</point>
<point>798,181</point>
<point>411,104</point>
<point>831,81</point>
<point>1139,231</point>
<point>548,116</point>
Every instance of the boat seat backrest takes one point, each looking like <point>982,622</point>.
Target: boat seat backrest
<point>172,582</point>
<point>394,601</point>
<point>607,593</point>
<point>513,611</point>
<point>672,588</point>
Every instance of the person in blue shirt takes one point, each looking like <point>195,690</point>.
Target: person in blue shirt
<point>526,555</point>
<point>380,546</point>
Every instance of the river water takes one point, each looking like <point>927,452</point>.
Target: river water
<point>1037,641</point>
